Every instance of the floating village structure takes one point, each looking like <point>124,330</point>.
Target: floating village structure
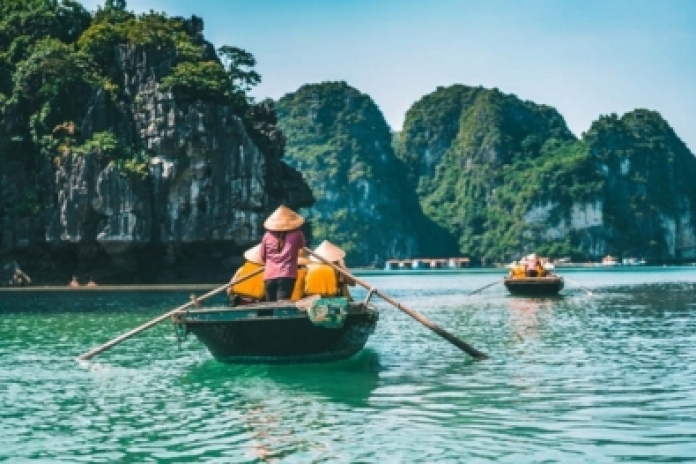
<point>426,264</point>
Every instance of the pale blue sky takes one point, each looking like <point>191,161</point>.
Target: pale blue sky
<point>585,58</point>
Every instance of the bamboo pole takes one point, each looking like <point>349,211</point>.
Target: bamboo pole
<point>589,292</point>
<point>157,320</point>
<point>485,287</point>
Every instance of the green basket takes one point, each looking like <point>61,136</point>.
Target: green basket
<point>330,313</point>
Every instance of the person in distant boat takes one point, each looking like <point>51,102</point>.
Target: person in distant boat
<point>541,272</point>
<point>517,270</point>
<point>280,248</point>
<point>324,280</point>
<point>74,282</point>
<point>91,283</point>
<point>549,268</point>
<point>252,289</point>
<point>532,265</point>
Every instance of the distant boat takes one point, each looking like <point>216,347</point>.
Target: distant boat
<point>282,332</point>
<point>534,286</point>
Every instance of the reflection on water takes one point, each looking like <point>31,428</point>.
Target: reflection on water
<point>275,403</point>
<point>525,316</point>
<point>578,378</point>
<point>350,381</point>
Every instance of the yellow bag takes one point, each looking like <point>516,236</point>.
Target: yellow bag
<point>253,287</point>
<point>298,291</point>
<point>518,272</point>
<point>321,280</point>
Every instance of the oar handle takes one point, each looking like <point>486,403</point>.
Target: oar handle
<point>157,320</point>
<point>471,351</point>
<point>485,287</point>
<point>576,283</point>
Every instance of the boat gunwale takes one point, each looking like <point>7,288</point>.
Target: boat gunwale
<point>355,307</point>
<point>535,280</point>
<point>261,312</point>
<point>535,286</point>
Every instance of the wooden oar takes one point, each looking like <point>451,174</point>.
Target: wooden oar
<point>159,319</point>
<point>576,283</point>
<point>485,287</point>
<point>471,351</point>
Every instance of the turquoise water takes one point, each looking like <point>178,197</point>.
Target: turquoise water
<point>608,377</point>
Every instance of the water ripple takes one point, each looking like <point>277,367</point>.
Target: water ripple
<point>579,378</point>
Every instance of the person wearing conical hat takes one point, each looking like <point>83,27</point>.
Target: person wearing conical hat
<point>324,280</point>
<point>279,252</point>
<point>252,289</point>
<point>517,270</point>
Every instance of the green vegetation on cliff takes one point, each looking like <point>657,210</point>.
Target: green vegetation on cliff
<point>55,57</point>
<point>649,176</point>
<point>481,158</point>
<point>504,176</point>
<point>338,138</point>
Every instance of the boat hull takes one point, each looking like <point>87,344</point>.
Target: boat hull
<point>278,333</point>
<point>535,286</point>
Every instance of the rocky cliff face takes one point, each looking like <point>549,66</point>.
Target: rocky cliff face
<point>462,147</point>
<point>506,177</point>
<point>645,201</point>
<point>208,188</point>
<point>649,198</point>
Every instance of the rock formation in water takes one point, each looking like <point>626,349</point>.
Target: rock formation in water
<point>507,177</point>
<point>133,181</point>
<point>338,138</point>
<point>647,204</point>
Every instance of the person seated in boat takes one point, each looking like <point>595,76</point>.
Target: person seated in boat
<point>541,271</point>
<point>532,265</point>
<point>252,289</point>
<point>74,282</point>
<point>549,268</point>
<point>517,271</point>
<point>280,247</point>
<point>324,280</point>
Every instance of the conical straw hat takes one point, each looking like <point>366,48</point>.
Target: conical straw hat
<point>254,254</point>
<point>328,251</point>
<point>283,219</point>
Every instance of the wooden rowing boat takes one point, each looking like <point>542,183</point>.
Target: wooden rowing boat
<point>320,330</point>
<point>534,286</point>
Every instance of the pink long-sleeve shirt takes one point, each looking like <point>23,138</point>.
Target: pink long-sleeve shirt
<point>281,263</point>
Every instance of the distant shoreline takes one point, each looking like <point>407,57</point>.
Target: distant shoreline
<point>107,288</point>
<point>358,272</point>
